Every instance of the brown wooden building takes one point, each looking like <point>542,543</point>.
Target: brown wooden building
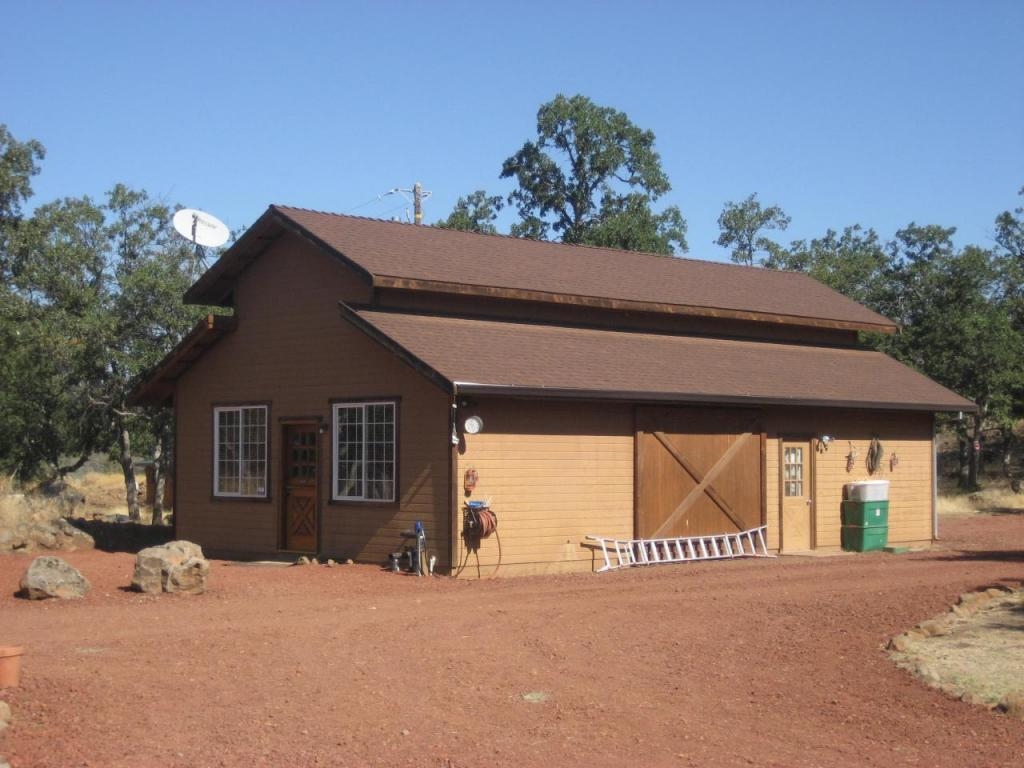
<point>326,414</point>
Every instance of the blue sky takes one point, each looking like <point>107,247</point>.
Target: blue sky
<point>878,113</point>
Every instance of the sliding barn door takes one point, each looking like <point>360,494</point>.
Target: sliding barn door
<point>699,471</point>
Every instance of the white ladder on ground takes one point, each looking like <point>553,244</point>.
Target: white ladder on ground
<point>623,553</point>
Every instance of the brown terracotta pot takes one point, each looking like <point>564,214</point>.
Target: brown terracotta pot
<point>10,665</point>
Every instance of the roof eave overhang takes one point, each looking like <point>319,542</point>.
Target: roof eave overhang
<point>635,396</point>
<point>157,388</point>
<point>624,305</point>
<point>215,285</point>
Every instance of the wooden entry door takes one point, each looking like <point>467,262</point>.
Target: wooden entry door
<point>699,471</point>
<point>299,513</point>
<point>797,502</point>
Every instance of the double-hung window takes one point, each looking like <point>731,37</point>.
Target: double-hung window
<point>364,452</point>
<point>240,451</point>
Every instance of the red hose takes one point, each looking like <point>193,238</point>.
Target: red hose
<point>479,523</point>
<point>488,522</point>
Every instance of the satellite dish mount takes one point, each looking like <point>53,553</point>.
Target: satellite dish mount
<point>203,230</point>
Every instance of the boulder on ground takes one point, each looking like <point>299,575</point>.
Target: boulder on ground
<point>32,523</point>
<point>52,577</point>
<point>178,566</point>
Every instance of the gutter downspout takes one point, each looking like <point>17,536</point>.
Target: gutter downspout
<point>453,493</point>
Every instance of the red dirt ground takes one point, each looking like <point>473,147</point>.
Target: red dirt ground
<point>754,662</point>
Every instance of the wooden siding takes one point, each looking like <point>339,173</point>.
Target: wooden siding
<point>292,350</point>
<point>908,435</point>
<point>554,472</point>
<point>680,448</point>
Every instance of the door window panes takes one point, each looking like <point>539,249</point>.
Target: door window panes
<point>793,471</point>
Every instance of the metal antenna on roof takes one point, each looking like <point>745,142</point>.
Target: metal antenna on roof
<point>418,196</point>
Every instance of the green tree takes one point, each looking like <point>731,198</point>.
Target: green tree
<point>94,301</point>
<point>741,224</point>
<point>1010,243</point>
<point>476,212</point>
<point>90,299</point>
<point>150,270</point>
<point>1010,247</point>
<point>1010,231</point>
<point>957,326</point>
<point>854,263</point>
<point>52,339</point>
<point>591,177</point>
<point>18,164</point>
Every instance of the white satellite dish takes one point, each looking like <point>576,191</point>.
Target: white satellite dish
<point>200,228</point>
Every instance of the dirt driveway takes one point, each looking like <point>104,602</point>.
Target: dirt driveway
<point>775,663</point>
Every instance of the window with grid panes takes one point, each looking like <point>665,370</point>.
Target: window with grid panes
<point>793,471</point>
<point>364,452</point>
<point>240,451</point>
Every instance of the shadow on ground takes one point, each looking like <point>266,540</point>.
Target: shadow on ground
<point>123,537</point>
<point>995,555</point>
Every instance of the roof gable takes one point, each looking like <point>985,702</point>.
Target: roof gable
<point>396,255</point>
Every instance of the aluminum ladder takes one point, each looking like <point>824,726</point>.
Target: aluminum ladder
<point>623,553</point>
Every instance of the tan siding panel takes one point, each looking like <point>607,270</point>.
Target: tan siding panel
<point>908,435</point>
<point>292,350</point>
<point>554,473</point>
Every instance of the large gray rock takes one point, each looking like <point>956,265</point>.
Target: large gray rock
<point>33,523</point>
<point>178,566</point>
<point>52,577</point>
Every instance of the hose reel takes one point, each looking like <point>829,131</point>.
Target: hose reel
<point>478,522</point>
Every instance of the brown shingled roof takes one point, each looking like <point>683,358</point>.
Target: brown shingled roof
<point>392,254</point>
<point>488,356</point>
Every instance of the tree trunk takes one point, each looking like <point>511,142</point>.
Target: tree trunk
<point>974,467</point>
<point>58,473</point>
<point>963,459</point>
<point>1007,450</point>
<point>131,485</point>
<point>158,482</point>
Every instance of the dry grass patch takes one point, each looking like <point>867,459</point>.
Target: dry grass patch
<point>974,652</point>
<point>993,501</point>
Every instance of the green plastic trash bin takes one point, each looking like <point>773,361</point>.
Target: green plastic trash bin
<point>864,538</point>
<point>866,513</point>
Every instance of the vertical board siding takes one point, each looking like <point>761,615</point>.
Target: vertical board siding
<point>291,349</point>
<point>554,473</point>
<point>908,435</point>
<point>700,439</point>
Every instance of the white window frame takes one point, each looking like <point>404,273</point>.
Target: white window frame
<point>364,405</point>
<point>243,459</point>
